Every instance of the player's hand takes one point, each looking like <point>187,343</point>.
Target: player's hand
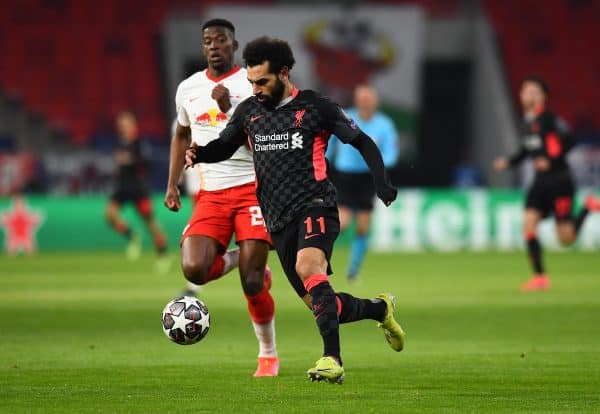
<point>172,200</point>
<point>190,155</point>
<point>221,94</point>
<point>387,194</point>
<point>541,163</point>
<point>501,164</point>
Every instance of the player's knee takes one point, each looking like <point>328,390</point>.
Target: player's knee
<point>566,239</point>
<point>362,232</point>
<point>253,283</point>
<point>305,269</point>
<point>194,270</point>
<point>529,235</point>
<point>109,216</point>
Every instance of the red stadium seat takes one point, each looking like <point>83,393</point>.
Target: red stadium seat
<point>557,42</point>
<point>78,62</point>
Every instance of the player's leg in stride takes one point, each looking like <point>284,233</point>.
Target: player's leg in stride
<point>134,244</point>
<point>256,278</point>
<point>305,250</point>
<point>202,262</point>
<point>222,265</point>
<point>360,244</point>
<point>144,209</point>
<point>567,230</point>
<point>539,280</point>
<point>331,309</point>
<point>256,281</point>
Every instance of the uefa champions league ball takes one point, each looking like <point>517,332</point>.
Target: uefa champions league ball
<point>185,320</point>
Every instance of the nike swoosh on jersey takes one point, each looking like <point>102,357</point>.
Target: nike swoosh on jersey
<point>193,99</point>
<point>254,118</point>
<point>309,236</point>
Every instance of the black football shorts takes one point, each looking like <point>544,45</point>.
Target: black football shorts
<point>317,227</point>
<point>552,196</point>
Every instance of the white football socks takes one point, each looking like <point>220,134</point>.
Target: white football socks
<point>265,333</point>
<point>232,260</point>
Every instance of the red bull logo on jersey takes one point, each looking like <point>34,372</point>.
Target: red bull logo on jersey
<point>212,117</point>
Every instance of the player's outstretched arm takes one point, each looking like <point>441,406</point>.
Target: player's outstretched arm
<point>221,149</point>
<point>369,151</point>
<point>504,163</point>
<point>215,151</point>
<point>338,123</point>
<point>179,143</point>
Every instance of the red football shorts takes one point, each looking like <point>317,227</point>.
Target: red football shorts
<point>221,213</point>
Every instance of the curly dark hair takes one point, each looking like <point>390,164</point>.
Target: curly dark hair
<point>539,81</point>
<point>276,51</point>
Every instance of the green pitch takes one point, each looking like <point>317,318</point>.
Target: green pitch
<point>82,334</point>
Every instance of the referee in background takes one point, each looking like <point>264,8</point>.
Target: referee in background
<point>352,177</point>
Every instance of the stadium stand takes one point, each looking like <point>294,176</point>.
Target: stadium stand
<point>76,63</point>
<point>555,39</point>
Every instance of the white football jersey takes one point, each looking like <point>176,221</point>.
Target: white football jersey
<point>196,109</point>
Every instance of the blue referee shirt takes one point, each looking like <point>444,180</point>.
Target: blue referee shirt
<point>380,127</point>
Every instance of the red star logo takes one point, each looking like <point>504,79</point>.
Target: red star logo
<point>20,225</point>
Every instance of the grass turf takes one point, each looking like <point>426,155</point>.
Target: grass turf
<point>81,333</point>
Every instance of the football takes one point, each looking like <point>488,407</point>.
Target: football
<point>185,320</point>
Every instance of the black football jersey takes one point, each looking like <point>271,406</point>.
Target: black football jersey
<point>135,169</point>
<point>288,144</point>
<point>545,135</point>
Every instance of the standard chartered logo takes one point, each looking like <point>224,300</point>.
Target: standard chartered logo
<point>275,142</point>
<point>296,140</point>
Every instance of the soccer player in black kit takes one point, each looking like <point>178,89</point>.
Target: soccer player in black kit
<point>130,187</point>
<point>546,139</point>
<point>287,131</point>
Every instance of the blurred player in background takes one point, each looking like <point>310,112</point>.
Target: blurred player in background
<point>131,187</point>
<point>226,203</point>
<point>546,139</point>
<point>288,131</point>
<point>352,177</point>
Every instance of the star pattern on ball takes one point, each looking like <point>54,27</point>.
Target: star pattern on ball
<point>180,321</point>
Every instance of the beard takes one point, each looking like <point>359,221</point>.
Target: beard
<point>271,101</point>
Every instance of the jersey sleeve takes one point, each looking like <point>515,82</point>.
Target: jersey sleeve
<point>517,157</point>
<point>182,116</point>
<point>234,132</point>
<point>556,135</point>
<point>566,134</point>
<point>336,121</point>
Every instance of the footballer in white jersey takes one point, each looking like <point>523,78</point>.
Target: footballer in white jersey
<point>225,203</point>
<point>197,109</point>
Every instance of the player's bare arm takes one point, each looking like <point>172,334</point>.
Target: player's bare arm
<point>501,164</point>
<point>180,142</point>
<point>541,163</point>
<point>504,163</point>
